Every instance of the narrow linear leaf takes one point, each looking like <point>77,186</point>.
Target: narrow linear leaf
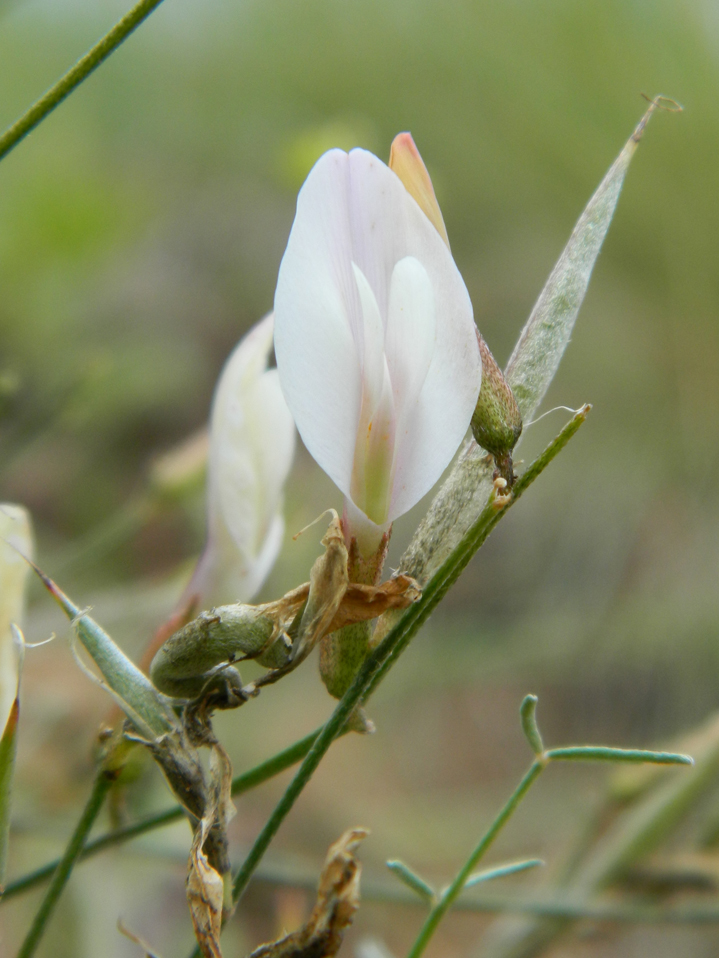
<point>538,352</point>
<point>75,76</point>
<point>528,715</point>
<point>593,753</point>
<point>131,686</point>
<point>8,751</point>
<point>501,871</point>
<point>531,369</point>
<point>412,880</point>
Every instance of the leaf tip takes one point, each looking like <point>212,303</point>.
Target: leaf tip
<point>664,103</point>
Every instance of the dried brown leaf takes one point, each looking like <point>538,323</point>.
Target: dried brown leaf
<point>363,602</point>
<point>205,893</point>
<point>337,901</point>
<point>149,953</point>
<point>205,886</point>
<point>328,583</point>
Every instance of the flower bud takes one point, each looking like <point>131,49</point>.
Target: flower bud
<point>406,162</point>
<point>16,541</point>
<point>497,422</point>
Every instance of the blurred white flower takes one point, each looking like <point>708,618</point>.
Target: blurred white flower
<point>15,534</point>
<point>252,441</point>
<point>375,339</point>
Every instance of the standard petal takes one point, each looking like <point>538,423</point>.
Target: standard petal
<point>354,210</point>
<point>318,321</point>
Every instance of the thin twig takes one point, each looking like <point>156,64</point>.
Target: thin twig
<point>101,786</point>
<point>455,889</point>
<point>574,753</point>
<point>383,657</point>
<point>75,76</point>
<point>240,784</point>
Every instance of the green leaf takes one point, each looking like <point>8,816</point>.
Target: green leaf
<point>530,371</point>
<point>528,715</point>
<point>536,356</point>
<point>601,753</point>
<point>412,880</point>
<point>489,874</point>
<point>8,751</point>
<point>146,708</point>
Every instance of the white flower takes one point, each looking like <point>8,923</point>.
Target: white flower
<point>252,441</point>
<point>15,538</point>
<point>375,339</point>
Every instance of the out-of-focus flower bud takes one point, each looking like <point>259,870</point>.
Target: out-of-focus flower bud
<point>252,442</point>
<point>16,541</point>
<point>181,470</point>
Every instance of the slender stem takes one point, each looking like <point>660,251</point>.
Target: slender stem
<point>573,753</point>
<point>380,660</point>
<point>240,784</point>
<point>102,785</point>
<point>74,77</point>
<point>448,898</point>
<point>474,537</point>
<point>382,892</point>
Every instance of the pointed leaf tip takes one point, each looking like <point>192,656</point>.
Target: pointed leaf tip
<point>541,345</point>
<point>69,608</point>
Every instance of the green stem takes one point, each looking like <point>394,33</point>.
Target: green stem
<point>572,753</point>
<point>242,783</point>
<point>102,785</point>
<point>383,657</point>
<point>450,570</point>
<point>75,76</point>
<point>450,895</point>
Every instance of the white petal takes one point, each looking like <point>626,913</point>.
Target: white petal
<point>252,440</point>
<point>373,361</point>
<point>353,211</point>
<point>411,333</point>
<point>433,425</point>
<point>318,321</point>
<point>15,531</point>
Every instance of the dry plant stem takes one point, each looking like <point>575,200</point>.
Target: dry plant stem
<point>75,76</point>
<point>241,784</point>
<point>102,785</point>
<point>387,652</point>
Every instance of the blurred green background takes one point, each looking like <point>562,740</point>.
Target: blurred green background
<point>141,228</point>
